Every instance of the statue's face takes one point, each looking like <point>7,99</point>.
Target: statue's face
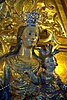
<point>50,63</point>
<point>30,36</point>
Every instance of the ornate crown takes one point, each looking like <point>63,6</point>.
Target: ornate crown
<point>32,18</point>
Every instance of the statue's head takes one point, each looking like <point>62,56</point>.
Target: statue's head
<point>50,63</point>
<point>30,36</point>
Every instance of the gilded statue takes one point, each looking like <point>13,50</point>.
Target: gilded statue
<point>25,76</point>
<point>24,67</point>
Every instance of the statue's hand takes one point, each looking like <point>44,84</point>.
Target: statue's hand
<point>33,77</point>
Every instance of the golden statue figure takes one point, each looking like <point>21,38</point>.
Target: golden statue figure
<point>24,76</point>
<point>24,66</point>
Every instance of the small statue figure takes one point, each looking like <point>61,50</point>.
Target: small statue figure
<point>51,85</point>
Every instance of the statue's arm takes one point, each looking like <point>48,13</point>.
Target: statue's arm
<point>38,77</point>
<point>33,77</point>
<point>4,88</point>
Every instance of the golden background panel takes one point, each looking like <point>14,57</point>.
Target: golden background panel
<point>61,69</point>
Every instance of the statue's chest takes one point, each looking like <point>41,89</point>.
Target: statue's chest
<point>21,67</point>
<point>19,74</point>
